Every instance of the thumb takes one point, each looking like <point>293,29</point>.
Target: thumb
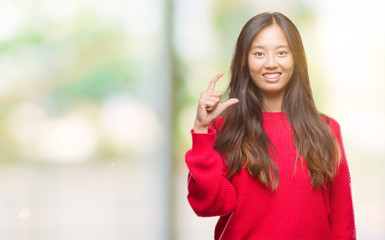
<point>223,106</point>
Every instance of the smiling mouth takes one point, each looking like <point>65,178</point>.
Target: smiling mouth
<point>271,75</point>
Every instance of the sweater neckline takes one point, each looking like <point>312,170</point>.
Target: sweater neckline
<point>273,115</point>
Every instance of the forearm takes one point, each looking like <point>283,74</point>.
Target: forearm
<point>209,191</point>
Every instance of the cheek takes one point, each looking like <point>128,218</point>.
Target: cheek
<point>288,65</point>
<point>255,66</point>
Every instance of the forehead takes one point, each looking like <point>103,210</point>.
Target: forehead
<point>270,36</point>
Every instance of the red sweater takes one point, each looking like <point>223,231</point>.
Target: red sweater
<point>248,209</point>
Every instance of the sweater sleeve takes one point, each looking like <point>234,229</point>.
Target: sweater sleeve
<point>209,191</point>
<point>341,218</point>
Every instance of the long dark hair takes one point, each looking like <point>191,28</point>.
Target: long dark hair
<point>242,139</point>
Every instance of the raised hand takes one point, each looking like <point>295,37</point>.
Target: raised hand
<point>209,107</point>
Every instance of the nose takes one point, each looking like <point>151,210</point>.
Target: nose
<point>271,62</point>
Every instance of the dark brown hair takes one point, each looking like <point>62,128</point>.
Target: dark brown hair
<point>242,139</point>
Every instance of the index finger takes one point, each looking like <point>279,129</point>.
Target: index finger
<point>213,81</point>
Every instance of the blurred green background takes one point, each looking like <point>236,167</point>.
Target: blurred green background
<point>97,99</point>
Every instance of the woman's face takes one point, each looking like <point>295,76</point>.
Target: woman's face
<point>270,61</point>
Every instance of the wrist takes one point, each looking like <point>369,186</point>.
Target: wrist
<point>200,129</point>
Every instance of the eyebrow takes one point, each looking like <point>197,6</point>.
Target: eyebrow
<point>262,47</point>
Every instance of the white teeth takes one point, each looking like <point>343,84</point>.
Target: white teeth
<point>274,75</point>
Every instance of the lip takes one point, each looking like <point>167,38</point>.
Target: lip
<point>272,80</point>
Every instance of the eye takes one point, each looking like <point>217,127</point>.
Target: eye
<point>258,54</point>
<point>282,53</point>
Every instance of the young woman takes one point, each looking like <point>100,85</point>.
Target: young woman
<point>272,167</point>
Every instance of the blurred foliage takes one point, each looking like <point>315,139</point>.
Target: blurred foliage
<point>60,65</point>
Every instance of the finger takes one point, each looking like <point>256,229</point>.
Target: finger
<point>211,108</point>
<point>223,106</point>
<point>205,104</point>
<point>213,81</point>
<point>214,94</point>
<point>213,105</point>
<point>210,98</point>
<point>211,95</point>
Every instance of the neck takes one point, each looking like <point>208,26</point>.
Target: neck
<point>273,103</point>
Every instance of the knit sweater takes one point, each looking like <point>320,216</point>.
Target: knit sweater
<point>249,210</point>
